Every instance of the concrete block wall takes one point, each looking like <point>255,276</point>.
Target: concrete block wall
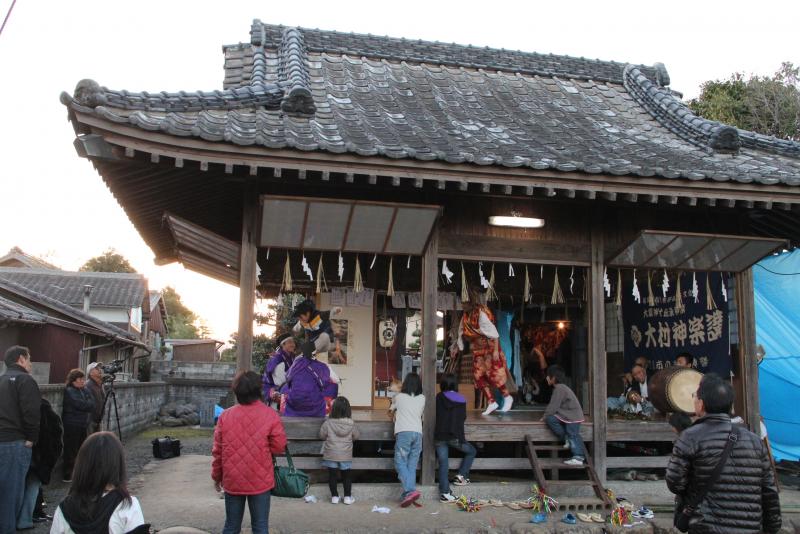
<point>165,369</point>
<point>138,403</point>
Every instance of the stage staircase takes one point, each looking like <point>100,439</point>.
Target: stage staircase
<point>548,457</point>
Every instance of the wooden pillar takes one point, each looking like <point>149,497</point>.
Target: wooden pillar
<point>428,368</point>
<point>247,279</point>
<point>597,353</point>
<point>748,361</point>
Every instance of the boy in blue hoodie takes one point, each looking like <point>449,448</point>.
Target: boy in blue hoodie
<point>451,412</point>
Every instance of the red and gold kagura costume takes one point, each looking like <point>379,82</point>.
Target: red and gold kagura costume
<point>477,327</point>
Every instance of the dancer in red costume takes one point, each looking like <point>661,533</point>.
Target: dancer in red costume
<point>488,361</point>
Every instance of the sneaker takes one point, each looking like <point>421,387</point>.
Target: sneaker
<point>409,499</point>
<point>492,407</point>
<point>459,480</point>
<point>574,461</point>
<point>447,497</point>
<point>349,500</point>
<point>507,403</point>
<point>335,500</point>
<point>565,445</point>
<point>643,513</point>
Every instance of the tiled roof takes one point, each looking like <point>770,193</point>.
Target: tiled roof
<point>405,99</point>
<point>14,312</point>
<point>16,256</point>
<point>114,290</point>
<point>43,305</point>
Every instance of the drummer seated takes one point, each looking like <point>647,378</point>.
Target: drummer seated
<point>684,359</point>
<point>634,399</point>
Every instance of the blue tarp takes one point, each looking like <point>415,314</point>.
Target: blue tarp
<point>777,300</point>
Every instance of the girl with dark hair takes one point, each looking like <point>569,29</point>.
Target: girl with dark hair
<point>451,413</point>
<point>339,432</point>
<point>245,439</point>
<point>78,405</point>
<point>407,407</point>
<point>98,500</point>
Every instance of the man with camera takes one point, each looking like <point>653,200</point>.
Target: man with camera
<point>95,386</point>
<point>719,472</point>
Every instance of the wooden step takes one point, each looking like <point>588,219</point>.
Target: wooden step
<point>570,483</point>
<point>549,448</point>
<point>557,463</point>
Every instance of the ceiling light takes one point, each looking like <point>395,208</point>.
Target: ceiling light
<point>517,222</point>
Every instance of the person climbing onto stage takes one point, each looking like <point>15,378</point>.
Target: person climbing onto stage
<point>488,361</point>
<point>316,324</point>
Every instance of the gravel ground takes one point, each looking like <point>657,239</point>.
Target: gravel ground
<point>194,440</point>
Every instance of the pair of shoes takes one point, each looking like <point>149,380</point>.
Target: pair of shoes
<point>569,519</point>
<point>574,461</point>
<point>492,407</point>
<point>586,518</point>
<point>507,403</point>
<point>597,518</point>
<point>409,499</point>
<point>349,500</point>
<point>335,499</point>
<point>460,480</point>
<point>643,513</point>
<point>447,497</point>
<point>540,517</point>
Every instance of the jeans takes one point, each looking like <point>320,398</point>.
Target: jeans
<point>32,487</point>
<point>407,447</point>
<point>15,459</point>
<point>571,432</point>
<point>259,512</point>
<point>443,455</point>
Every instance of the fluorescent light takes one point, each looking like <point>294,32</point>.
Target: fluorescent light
<point>518,222</point>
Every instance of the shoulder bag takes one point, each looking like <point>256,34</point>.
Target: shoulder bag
<point>289,481</point>
<point>685,512</point>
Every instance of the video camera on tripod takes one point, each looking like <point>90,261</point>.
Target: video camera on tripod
<point>111,369</point>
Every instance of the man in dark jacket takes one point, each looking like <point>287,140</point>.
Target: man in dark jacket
<point>744,498</point>
<point>19,430</point>
<point>95,386</point>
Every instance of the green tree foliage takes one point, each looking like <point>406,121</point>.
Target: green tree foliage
<point>763,104</point>
<point>180,319</point>
<point>263,347</point>
<point>109,261</point>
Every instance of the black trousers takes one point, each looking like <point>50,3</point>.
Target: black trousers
<point>333,479</point>
<point>73,439</point>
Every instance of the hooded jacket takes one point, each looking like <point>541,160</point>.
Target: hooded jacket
<point>49,446</point>
<point>339,435</point>
<point>744,498</point>
<point>451,412</point>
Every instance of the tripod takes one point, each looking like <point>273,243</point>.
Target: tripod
<point>112,396</point>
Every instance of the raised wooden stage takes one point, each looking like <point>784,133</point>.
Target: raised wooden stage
<point>513,426</point>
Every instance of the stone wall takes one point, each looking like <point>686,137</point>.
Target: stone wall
<point>165,369</point>
<point>138,403</point>
<point>204,394</point>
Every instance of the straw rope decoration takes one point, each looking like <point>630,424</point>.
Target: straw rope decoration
<point>541,502</point>
<point>390,285</point>
<point>710,303</point>
<point>618,297</point>
<point>464,288</point>
<point>679,305</point>
<point>651,299</point>
<point>558,295</point>
<point>321,282</point>
<point>358,282</point>
<point>526,295</point>
<point>491,294</point>
<point>286,284</point>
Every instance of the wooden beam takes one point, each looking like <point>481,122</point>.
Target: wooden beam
<point>748,362</point>
<point>502,249</point>
<point>428,370</point>
<point>247,278</point>
<point>597,351</point>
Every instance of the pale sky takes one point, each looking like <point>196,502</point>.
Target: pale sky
<point>53,204</point>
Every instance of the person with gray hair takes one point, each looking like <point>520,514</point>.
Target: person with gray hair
<point>20,402</point>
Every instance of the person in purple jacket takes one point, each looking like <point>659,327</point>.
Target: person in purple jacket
<point>277,368</point>
<point>305,385</point>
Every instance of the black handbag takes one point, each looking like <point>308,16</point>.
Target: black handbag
<point>166,447</point>
<point>684,512</point>
<point>289,481</point>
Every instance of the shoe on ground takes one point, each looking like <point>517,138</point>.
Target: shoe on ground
<point>349,500</point>
<point>492,407</point>
<point>447,497</point>
<point>459,480</point>
<point>539,517</point>
<point>409,499</point>
<point>585,518</point>
<point>597,518</point>
<point>569,519</point>
<point>643,513</point>
<point>507,403</point>
<point>335,500</point>
<point>573,461</point>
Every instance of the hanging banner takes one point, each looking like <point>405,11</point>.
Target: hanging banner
<point>660,332</point>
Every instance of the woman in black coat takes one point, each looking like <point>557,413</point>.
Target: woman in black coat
<point>78,405</point>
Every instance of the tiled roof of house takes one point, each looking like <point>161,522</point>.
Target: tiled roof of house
<point>16,257</point>
<point>113,290</point>
<point>313,90</point>
<point>11,311</point>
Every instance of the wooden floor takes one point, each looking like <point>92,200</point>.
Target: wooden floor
<point>375,425</point>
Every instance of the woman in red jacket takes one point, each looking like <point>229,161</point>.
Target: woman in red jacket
<point>246,437</point>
